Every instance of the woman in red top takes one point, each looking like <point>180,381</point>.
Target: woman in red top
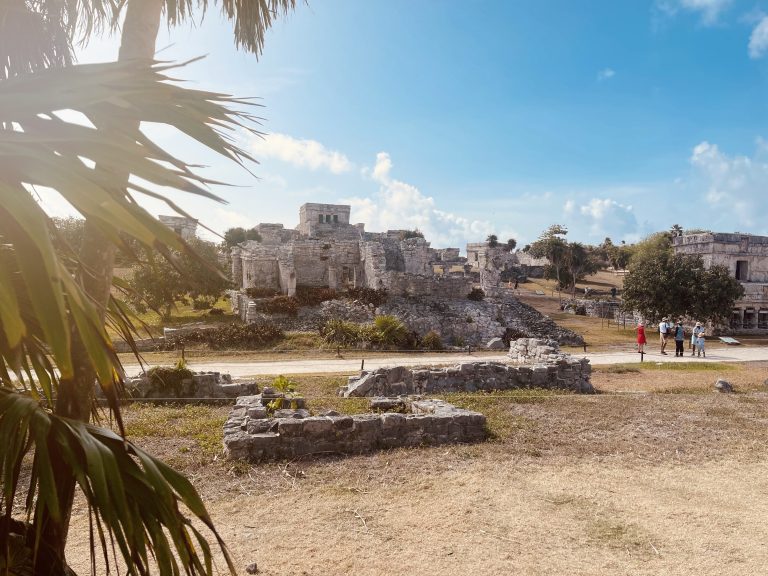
<point>641,341</point>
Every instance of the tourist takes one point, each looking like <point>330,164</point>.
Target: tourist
<point>663,334</point>
<point>641,341</point>
<point>698,329</point>
<point>679,332</point>
<point>700,345</point>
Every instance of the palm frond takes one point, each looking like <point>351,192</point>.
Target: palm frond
<point>40,34</point>
<point>137,502</point>
<point>39,148</point>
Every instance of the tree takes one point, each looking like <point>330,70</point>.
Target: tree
<point>51,319</point>
<point>511,244</point>
<point>159,283</point>
<point>492,240</point>
<point>552,246</point>
<point>235,236</point>
<point>579,262</point>
<point>679,285</point>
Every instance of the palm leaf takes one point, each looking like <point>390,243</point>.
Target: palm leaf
<point>130,493</point>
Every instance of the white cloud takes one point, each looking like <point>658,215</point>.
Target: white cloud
<point>300,152</point>
<point>734,186</point>
<point>709,10</point>
<point>605,217</point>
<point>399,205</point>
<point>758,40</point>
<point>605,74</point>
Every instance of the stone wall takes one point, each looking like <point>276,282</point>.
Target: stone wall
<point>250,434</point>
<point>549,369</point>
<point>202,385</point>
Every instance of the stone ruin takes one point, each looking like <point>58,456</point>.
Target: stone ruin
<point>427,287</point>
<point>326,250</point>
<point>202,385</point>
<point>540,364</point>
<point>274,425</point>
<point>251,434</point>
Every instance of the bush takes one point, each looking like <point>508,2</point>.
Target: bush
<point>476,294</point>
<point>432,341</point>
<point>314,295</point>
<point>392,331</point>
<point>341,333</point>
<point>168,379</point>
<point>261,292</point>
<point>407,234</point>
<point>215,312</point>
<point>202,303</point>
<point>374,296</point>
<point>243,336</point>
<point>280,305</point>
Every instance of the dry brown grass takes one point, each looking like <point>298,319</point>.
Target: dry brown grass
<point>657,482</point>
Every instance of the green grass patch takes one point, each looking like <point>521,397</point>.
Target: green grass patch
<point>204,424</point>
<point>667,367</point>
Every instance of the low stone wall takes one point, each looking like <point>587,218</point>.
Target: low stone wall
<point>569,374</point>
<point>249,434</point>
<point>202,385</point>
<point>546,367</point>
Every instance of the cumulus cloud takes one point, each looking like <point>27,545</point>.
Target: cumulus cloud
<point>604,217</point>
<point>399,205</point>
<point>734,186</point>
<point>303,153</point>
<point>758,40</point>
<point>605,74</point>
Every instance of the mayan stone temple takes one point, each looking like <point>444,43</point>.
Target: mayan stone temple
<point>325,250</point>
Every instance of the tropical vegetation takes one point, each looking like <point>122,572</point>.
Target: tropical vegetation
<point>57,299</point>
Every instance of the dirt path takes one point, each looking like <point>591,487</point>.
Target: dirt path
<point>353,365</point>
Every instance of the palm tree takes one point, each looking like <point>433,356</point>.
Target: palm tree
<point>53,342</point>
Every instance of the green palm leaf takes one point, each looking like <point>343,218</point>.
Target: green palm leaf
<point>131,494</point>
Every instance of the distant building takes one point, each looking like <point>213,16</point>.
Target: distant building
<point>184,227</point>
<point>746,257</point>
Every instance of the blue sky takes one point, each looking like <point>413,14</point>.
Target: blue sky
<point>464,118</point>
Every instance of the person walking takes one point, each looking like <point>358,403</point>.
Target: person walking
<point>698,329</point>
<point>679,332</point>
<point>641,340</point>
<point>663,334</point>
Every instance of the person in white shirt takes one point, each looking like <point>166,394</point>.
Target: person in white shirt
<point>663,334</point>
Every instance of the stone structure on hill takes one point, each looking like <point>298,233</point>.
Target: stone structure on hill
<point>426,288</point>
<point>326,250</point>
<point>184,227</point>
<point>746,256</point>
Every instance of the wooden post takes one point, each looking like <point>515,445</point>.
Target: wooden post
<point>362,364</point>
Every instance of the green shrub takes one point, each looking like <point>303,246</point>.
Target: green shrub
<point>407,234</point>
<point>314,295</point>
<point>458,341</point>
<point>283,384</point>
<point>242,336</point>
<point>341,333</point>
<point>432,341</point>
<point>168,379</point>
<point>280,305</point>
<point>392,331</point>
<point>374,296</point>
<point>201,303</point>
<point>476,294</point>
